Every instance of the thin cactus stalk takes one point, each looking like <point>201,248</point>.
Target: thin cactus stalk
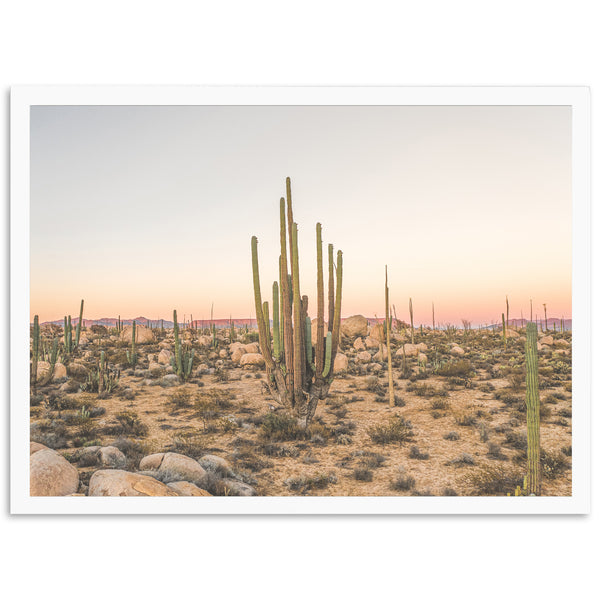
<point>177,343</point>
<point>132,355</point>
<point>79,325</point>
<point>532,401</point>
<point>507,309</point>
<point>545,317</point>
<point>298,374</point>
<point>530,309</point>
<point>387,336</point>
<point>101,369</point>
<point>276,330</point>
<point>503,330</point>
<point>412,327</point>
<point>35,350</point>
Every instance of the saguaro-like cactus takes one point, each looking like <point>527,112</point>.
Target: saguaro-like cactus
<point>412,326</point>
<point>35,350</point>
<point>298,377</point>
<point>132,354</point>
<point>182,362</point>
<point>79,325</point>
<point>388,320</point>
<point>532,401</point>
<point>503,330</point>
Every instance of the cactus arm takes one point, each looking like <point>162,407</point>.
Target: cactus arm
<point>331,290</point>
<point>298,321</point>
<point>532,401</point>
<point>337,316</point>
<point>35,350</point>
<point>328,352</point>
<point>78,331</point>
<point>264,342</point>
<point>319,349</point>
<point>308,342</point>
<point>286,302</point>
<point>276,331</point>
<point>265,307</point>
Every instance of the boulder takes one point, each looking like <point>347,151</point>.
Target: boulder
<point>422,347</point>
<point>205,341</point>
<point>252,348</point>
<point>511,333</point>
<point>164,357</point>
<point>170,466</point>
<point>252,358</point>
<point>547,340</point>
<point>170,380</point>
<point>36,447</point>
<point>122,483</point>
<point>457,351</point>
<point>372,342</point>
<point>216,464</point>
<point>143,335</point>
<point>422,358</point>
<point>340,364</point>
<point>359,344</point>
<point>363,357</point>
<point>355,326</point>
<point>237,354</point>
<point>185,488</point>
<point>109,456</point>
<point>223,353</point>
<point>562,343</point>
<point>50,474</point>
<point>77,371</point>
<point>408,350</point>
<point>151,462</point>
<point>377,332</point>
<point>155,369</point>
<point>233,487</point>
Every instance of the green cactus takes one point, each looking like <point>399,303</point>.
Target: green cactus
<point>79,325</point>
<point>532,402</point>
<point>183,359</point>
<point>53,356</point>
<point>298,377</point>
<point>35,350</point>
<point>412,326</point>
<point>388,319</point>
<point>132,354</point>
<point>503,330</point>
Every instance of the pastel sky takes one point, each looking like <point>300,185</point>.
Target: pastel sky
<point>142,209</point>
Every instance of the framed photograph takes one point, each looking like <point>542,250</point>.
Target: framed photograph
<point>300,300</point>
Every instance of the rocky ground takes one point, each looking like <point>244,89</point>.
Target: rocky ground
<point>457,427</point>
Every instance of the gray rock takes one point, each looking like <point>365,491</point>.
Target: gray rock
<point>170,380</point>
<point>232,487</point>
<point>216,464</point>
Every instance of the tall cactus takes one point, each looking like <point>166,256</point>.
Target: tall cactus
<point>35,350</point>
<point>503,330</point>
<point>298,377</point>
<point>388,320</point>
<point>183,359</point>
<point>132,354</point>
<point>412,326</point>
<point>79,325</point>
<point>532,401</point>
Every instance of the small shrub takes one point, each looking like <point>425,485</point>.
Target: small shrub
<point>466,419</point>
<point>281,427</point>
<point>304,484</point>
<point>494,480</point>
<point>362,473</point>
<point>459,368</point>
<point>397,429</point>
<point>130,424</point>
<point>403,483</point>
<point>440,404</point>
<point>452,436</point>
<point>417,454</point>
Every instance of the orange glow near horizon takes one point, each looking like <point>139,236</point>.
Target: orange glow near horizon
<point>142,210</point>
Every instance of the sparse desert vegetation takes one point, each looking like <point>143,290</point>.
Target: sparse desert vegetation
<point>114,403</point>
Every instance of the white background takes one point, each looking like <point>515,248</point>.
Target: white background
<point>416,43</point>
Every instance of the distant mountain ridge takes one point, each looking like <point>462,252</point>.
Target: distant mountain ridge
<point>251,323</point>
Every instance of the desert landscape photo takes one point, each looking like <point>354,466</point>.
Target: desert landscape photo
<point>300,301</point>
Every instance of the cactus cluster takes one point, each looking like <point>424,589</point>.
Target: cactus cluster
<point>183,359</point>
<point>298,376</point>
<point>102,379</point>
<point>38,349</point>
<point>68,335</point>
